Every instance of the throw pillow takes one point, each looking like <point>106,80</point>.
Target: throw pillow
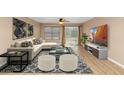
<point>34,41</point>
<point>37,41</point>
<point>30,44</point>
<point>17,44</point>
<point>41,40</point>
<point>25,44</point>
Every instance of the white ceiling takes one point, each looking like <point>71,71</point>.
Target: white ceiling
<point>56,19</point>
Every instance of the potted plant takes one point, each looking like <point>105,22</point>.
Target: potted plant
<point>84,39</point>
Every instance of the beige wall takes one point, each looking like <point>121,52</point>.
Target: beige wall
<point>5,33</point>
<point>6,24</point>
<point>115,35</point>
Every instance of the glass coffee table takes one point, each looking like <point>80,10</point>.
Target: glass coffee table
<point>58,51</point>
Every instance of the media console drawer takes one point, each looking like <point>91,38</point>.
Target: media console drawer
<point>95,52</point>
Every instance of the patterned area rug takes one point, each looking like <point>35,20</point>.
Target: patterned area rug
<point>33,68</point>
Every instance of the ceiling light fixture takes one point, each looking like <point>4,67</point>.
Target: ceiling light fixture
<point>61,23</point>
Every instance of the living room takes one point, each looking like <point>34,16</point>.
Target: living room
<point>64,46</point>
<point>55,32</point>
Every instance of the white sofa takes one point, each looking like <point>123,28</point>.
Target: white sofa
<point>33,51</point>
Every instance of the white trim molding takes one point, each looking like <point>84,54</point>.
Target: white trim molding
<point>115,62</point>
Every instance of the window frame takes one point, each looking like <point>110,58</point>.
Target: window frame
<point>52,31</point>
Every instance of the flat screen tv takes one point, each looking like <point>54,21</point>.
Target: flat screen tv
<point>98,35</point>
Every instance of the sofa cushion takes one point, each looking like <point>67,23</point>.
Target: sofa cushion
<point>49,44</point>
<point>36,47</point>
<point>26,44</point>
<point>17,44</point>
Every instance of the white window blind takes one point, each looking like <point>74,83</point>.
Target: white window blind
<point>52,32</point>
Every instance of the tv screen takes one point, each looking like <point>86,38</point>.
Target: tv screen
<point>98,35</point>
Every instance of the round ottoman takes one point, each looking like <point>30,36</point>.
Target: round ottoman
<point>68,62</point>
<point>46,62</point>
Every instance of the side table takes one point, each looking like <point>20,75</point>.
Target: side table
<point>20,55</point>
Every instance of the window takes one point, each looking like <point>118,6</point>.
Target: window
<point>71,35</point>
<point>52,32</point>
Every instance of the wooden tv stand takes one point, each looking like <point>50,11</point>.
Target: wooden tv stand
<point>98,51</point>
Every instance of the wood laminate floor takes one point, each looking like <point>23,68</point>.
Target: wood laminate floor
<point>99,67</point>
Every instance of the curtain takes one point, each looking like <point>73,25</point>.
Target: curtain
<point>63,36</point>
<point>79,35</point>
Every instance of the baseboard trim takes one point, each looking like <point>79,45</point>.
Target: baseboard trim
<point>115,62</point>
